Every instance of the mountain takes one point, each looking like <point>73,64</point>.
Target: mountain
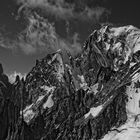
<point>93,96</point>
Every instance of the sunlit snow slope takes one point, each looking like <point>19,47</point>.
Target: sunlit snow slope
<point>131,129</point>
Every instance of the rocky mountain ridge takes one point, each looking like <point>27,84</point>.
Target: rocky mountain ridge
<point>86,98</point>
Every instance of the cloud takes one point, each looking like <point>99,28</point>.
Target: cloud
<point>12,77</point>
<point>63,10</point>
<point>73,46</point>
<point>5,41</point>
<point>39,37</point>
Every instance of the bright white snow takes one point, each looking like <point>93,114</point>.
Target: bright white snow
<point>28,113</point>
<point>132,44</point>
<point>94,88</point>
<point>94,111</point>
<point>130,130</point>
<point>49,103</point>
<point>27,108</point>
<point>40,98</point>
<point>48,89</point>
<point>133,106</point>
<point>83,83</point>
<point>131,133</point>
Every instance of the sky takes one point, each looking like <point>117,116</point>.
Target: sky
<point>30,29</point>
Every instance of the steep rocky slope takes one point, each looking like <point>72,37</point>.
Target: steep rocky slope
<point>93,96</point>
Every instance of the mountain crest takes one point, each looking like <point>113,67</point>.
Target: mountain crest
<point>87,98</point>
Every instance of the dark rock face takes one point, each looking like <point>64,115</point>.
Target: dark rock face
<point>80,100</point>
<point>10,105</point>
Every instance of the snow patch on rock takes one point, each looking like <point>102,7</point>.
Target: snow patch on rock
<point>83,83</point>
<point>40,98</point>
<point>47,88</point>
<point>28,113</point>
<point>94,111</point>
<point>49,103</point>
<point>131,129</point>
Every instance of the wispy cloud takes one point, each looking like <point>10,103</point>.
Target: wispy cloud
<point>12,77</point>
<point>39,37</point>
<point>63,10</point>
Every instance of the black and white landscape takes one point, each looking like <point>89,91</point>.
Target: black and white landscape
<point>69,70</point>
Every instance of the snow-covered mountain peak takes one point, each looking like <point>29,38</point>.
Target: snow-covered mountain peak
<point>95,95</point>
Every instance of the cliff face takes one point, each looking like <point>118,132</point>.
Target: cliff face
<point>10,106</point>
<point>88,98</point>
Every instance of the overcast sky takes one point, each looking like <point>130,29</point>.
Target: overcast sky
<point>29,29</point>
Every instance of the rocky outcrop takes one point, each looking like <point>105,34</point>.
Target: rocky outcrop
<point>9,108</point>
<point>83,99</point>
